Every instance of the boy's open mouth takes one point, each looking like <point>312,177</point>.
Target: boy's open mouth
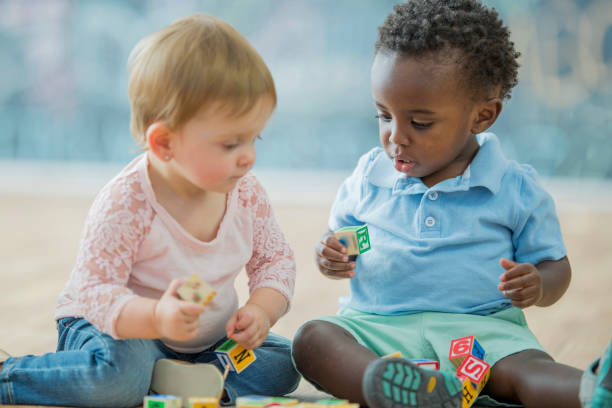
<point>404,165</point>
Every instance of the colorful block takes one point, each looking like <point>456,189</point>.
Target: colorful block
<point>473,368</point>
<point>469,393</point>
<point>196,290</point>
<point>162,401</point>
<point>356,239</point>
<point>203,402</point>
<point>425,363</point>
<point>234,356</point>
<point>463,347</point>
<point>478,370</point>
<point>336,403</point>
<point>262,401</point>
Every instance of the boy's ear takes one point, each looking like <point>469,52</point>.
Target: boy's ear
<point>487,114</point>
<point>159,138</point>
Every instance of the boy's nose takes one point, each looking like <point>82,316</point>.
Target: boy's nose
<point>399,137</point>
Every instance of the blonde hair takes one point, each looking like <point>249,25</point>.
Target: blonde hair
<point>193,63</point>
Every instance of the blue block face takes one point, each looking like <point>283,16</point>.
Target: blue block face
<point>477,350</point>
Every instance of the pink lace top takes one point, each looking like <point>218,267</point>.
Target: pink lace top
<point>131,246</point>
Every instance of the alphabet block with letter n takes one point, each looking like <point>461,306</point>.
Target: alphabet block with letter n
<point>234,356</point>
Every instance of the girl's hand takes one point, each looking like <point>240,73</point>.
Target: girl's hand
<point>521,283</point>
<point>248,326</point>
<point>174,318</point>
<point>332,259</point>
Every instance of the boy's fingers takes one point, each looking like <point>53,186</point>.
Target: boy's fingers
<point>339,275</point>
<point>332,242</point>
<point>328,252</point>
<point>336,266</point>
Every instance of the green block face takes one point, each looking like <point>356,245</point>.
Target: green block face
<point>363,239</point>
<point>156,404</point>
<point>228,345</point>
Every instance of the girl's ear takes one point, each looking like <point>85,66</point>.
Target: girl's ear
<point>487,113</point>
<point>159,137</point>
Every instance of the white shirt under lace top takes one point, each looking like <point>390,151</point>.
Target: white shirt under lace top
<point>132,246</point>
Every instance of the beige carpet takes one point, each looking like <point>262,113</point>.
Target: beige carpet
<point>40,234</point>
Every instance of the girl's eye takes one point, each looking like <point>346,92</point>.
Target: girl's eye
<point>230,146</point>
<point>383,118</point>
<point>420,125</point>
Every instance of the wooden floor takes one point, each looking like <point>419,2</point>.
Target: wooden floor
<point>41,233</point>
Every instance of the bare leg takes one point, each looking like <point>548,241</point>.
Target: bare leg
<point>330,357</point>
<point>534,379</point>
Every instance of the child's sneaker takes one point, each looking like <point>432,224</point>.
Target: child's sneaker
<point>398,383</point>
<point>175,377</point>
<point>602,396</point>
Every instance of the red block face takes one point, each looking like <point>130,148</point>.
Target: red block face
<point>473,368</point>
<point>461,347</point>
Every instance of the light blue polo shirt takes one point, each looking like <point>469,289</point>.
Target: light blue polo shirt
<point>438,248</point>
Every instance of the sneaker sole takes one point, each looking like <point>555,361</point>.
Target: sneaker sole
<point>186,380</point>
<point>397,383</point>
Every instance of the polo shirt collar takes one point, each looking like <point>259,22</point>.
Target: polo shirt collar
<point>486,170</point>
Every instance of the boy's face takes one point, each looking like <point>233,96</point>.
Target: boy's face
<point>425,117</point>
<point>213,150</point>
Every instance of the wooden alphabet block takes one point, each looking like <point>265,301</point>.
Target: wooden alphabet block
<point>425,363</point>
<point>464,347</point>
<point>469,393</point>
<point>196,290</point>
<point>476,370</point>
<point>356,239</point>
<point>234,356</point>
<point>162,401</point>
<point>203,402</point>
<point>262,401</point>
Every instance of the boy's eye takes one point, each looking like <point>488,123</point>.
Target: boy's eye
<point>383,117</point>
<point>230,146</point>
<point>421,125</point>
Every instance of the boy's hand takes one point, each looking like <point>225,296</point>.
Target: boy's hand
<point>174,318</point>
<point>248,326</point>
<point>521,283</point>
<point>332,259</point>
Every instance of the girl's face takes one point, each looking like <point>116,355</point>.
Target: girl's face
<point>212,151</point>
<point>425,117</point>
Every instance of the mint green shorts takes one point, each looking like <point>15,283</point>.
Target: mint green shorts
<point>428,335</point>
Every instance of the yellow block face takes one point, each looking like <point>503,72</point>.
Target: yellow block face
<point>203,402</point>
<point>241,357</point>
<point>469,394</point>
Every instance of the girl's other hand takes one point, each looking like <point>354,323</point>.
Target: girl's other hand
<point>249,326</point>
<point>521,283</point>
<point>332,259</point>
<point>174,318</point>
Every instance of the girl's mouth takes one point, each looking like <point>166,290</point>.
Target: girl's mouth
<point>404,165</point>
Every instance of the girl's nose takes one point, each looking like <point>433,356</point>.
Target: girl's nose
<point>247,158</point>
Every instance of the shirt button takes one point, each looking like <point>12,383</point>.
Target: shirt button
<point>433,195</point>
<point>430,221</point>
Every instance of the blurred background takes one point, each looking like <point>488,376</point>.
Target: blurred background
<point>63,79</point>
<point>64,132</point>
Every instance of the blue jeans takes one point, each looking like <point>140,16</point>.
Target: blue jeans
<point>92,369</point>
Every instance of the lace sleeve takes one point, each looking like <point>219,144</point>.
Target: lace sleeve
<point>272,264</point>
<point>116,224</point>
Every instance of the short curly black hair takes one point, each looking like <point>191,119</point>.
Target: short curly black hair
<point>424,27</point>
